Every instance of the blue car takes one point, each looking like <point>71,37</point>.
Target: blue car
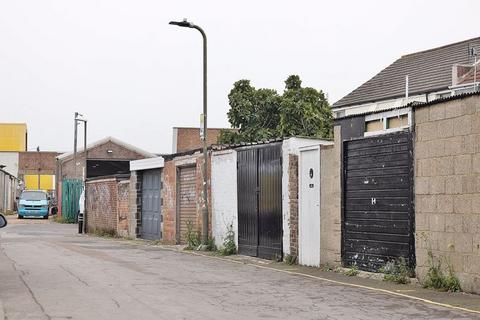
<point>33,203</point>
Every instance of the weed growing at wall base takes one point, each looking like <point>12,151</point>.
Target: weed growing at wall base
<point>290,259</point>
<point>229,246</point>
<point>353,271</point>
<point>396,271</point>
<point>436,279</point>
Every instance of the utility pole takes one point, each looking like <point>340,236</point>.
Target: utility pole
<point>187,24</point>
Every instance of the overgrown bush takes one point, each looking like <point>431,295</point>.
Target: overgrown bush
<point>396,271</point>
<point>192,237</point>
<point>229,246</point>
<point>435,278</point>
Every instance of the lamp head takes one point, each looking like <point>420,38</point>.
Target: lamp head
<point>183,23</point>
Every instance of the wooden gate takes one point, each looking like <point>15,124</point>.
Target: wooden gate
<point>259,187</point>
<point>378,219</point>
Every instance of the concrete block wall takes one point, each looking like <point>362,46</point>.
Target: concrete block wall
<point>330,201</point>
<point>108,205</point>
<point>224,194</point>
<point>135,204</point>
<point>447,187</point>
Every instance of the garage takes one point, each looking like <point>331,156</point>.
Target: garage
<point>378,220</point>
<point>259,187</point>
<point>186,198</point>
<point>151,205</point>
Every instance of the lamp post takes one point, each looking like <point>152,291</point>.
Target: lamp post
<point>203,136</point>
<point>82,220</point>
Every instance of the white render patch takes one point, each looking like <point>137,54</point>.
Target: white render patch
<point>145,164</point>
<point>10,161</point>
<point>292,146</point>
<point>224,194</point>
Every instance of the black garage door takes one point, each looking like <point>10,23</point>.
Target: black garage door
<point>259,187</point>
<point>378,202</point>
<point>151,215</point>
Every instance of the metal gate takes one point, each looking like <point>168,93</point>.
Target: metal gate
<point>151,205</point>
<point>259,188</point>
<point>186,199</point>
<point>378,220</point>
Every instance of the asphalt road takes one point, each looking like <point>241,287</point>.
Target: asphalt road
<point>47,271</point>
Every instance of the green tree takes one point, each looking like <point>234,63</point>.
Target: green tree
<point>262,114</point>
<point>304,111</point>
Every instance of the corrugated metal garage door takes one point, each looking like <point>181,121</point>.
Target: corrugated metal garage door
<point>186,200</point>
<point>151,204</point>
<point>378,210</point>
<point>259,187</point>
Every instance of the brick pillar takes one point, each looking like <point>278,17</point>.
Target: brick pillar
<point>293,195</point>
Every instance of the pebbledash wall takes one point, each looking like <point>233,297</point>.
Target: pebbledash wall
<point>224,194</point>
<point>447,187</point>
<point>108,205</point>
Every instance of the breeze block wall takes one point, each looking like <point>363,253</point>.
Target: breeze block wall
<point>330,201</point>
<point>108,205</point>
<point>447,188</point>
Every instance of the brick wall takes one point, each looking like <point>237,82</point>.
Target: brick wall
<point>330,201</point>
<point>30,162</point>
<point>189,138</point>
<point>169,194</point>
<point>293,202</point>
<point>67,170</point>
<point>123,207</point>
<point>108,205</point>
<point>447,187</point>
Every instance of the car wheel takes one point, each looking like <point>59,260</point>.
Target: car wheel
<point>45,217</point>
<point>20,217</point>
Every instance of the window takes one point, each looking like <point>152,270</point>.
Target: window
<point>388,121</point>
<point>397,122</point>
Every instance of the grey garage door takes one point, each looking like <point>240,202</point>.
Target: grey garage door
<point>151,206</point>
<point>378,212</point>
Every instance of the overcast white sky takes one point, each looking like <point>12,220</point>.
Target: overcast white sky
<point>135,77</point>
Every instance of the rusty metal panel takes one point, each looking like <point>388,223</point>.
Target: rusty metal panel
<point>378,220</point>
<point>187,200</point>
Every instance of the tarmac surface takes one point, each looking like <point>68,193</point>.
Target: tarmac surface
<point>47,271</point>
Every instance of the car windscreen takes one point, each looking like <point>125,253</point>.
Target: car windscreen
<point>33,195</point>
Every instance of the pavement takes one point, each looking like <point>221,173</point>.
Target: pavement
<point>48,271</point>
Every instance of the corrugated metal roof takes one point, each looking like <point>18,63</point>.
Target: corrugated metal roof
<point>427,71</point>
<point>414,105</point>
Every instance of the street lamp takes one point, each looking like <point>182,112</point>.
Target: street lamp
<point>82,220</point>
<point>203,131</point>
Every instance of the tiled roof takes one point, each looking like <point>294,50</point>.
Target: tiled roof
<point>427,71</point>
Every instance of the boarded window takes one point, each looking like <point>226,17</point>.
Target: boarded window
<point>374,125</point>
<point>397,122</point>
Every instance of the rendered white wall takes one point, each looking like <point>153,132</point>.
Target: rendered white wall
<point>291,146</point>
<point>224,194</point>
<point>10,161</point>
